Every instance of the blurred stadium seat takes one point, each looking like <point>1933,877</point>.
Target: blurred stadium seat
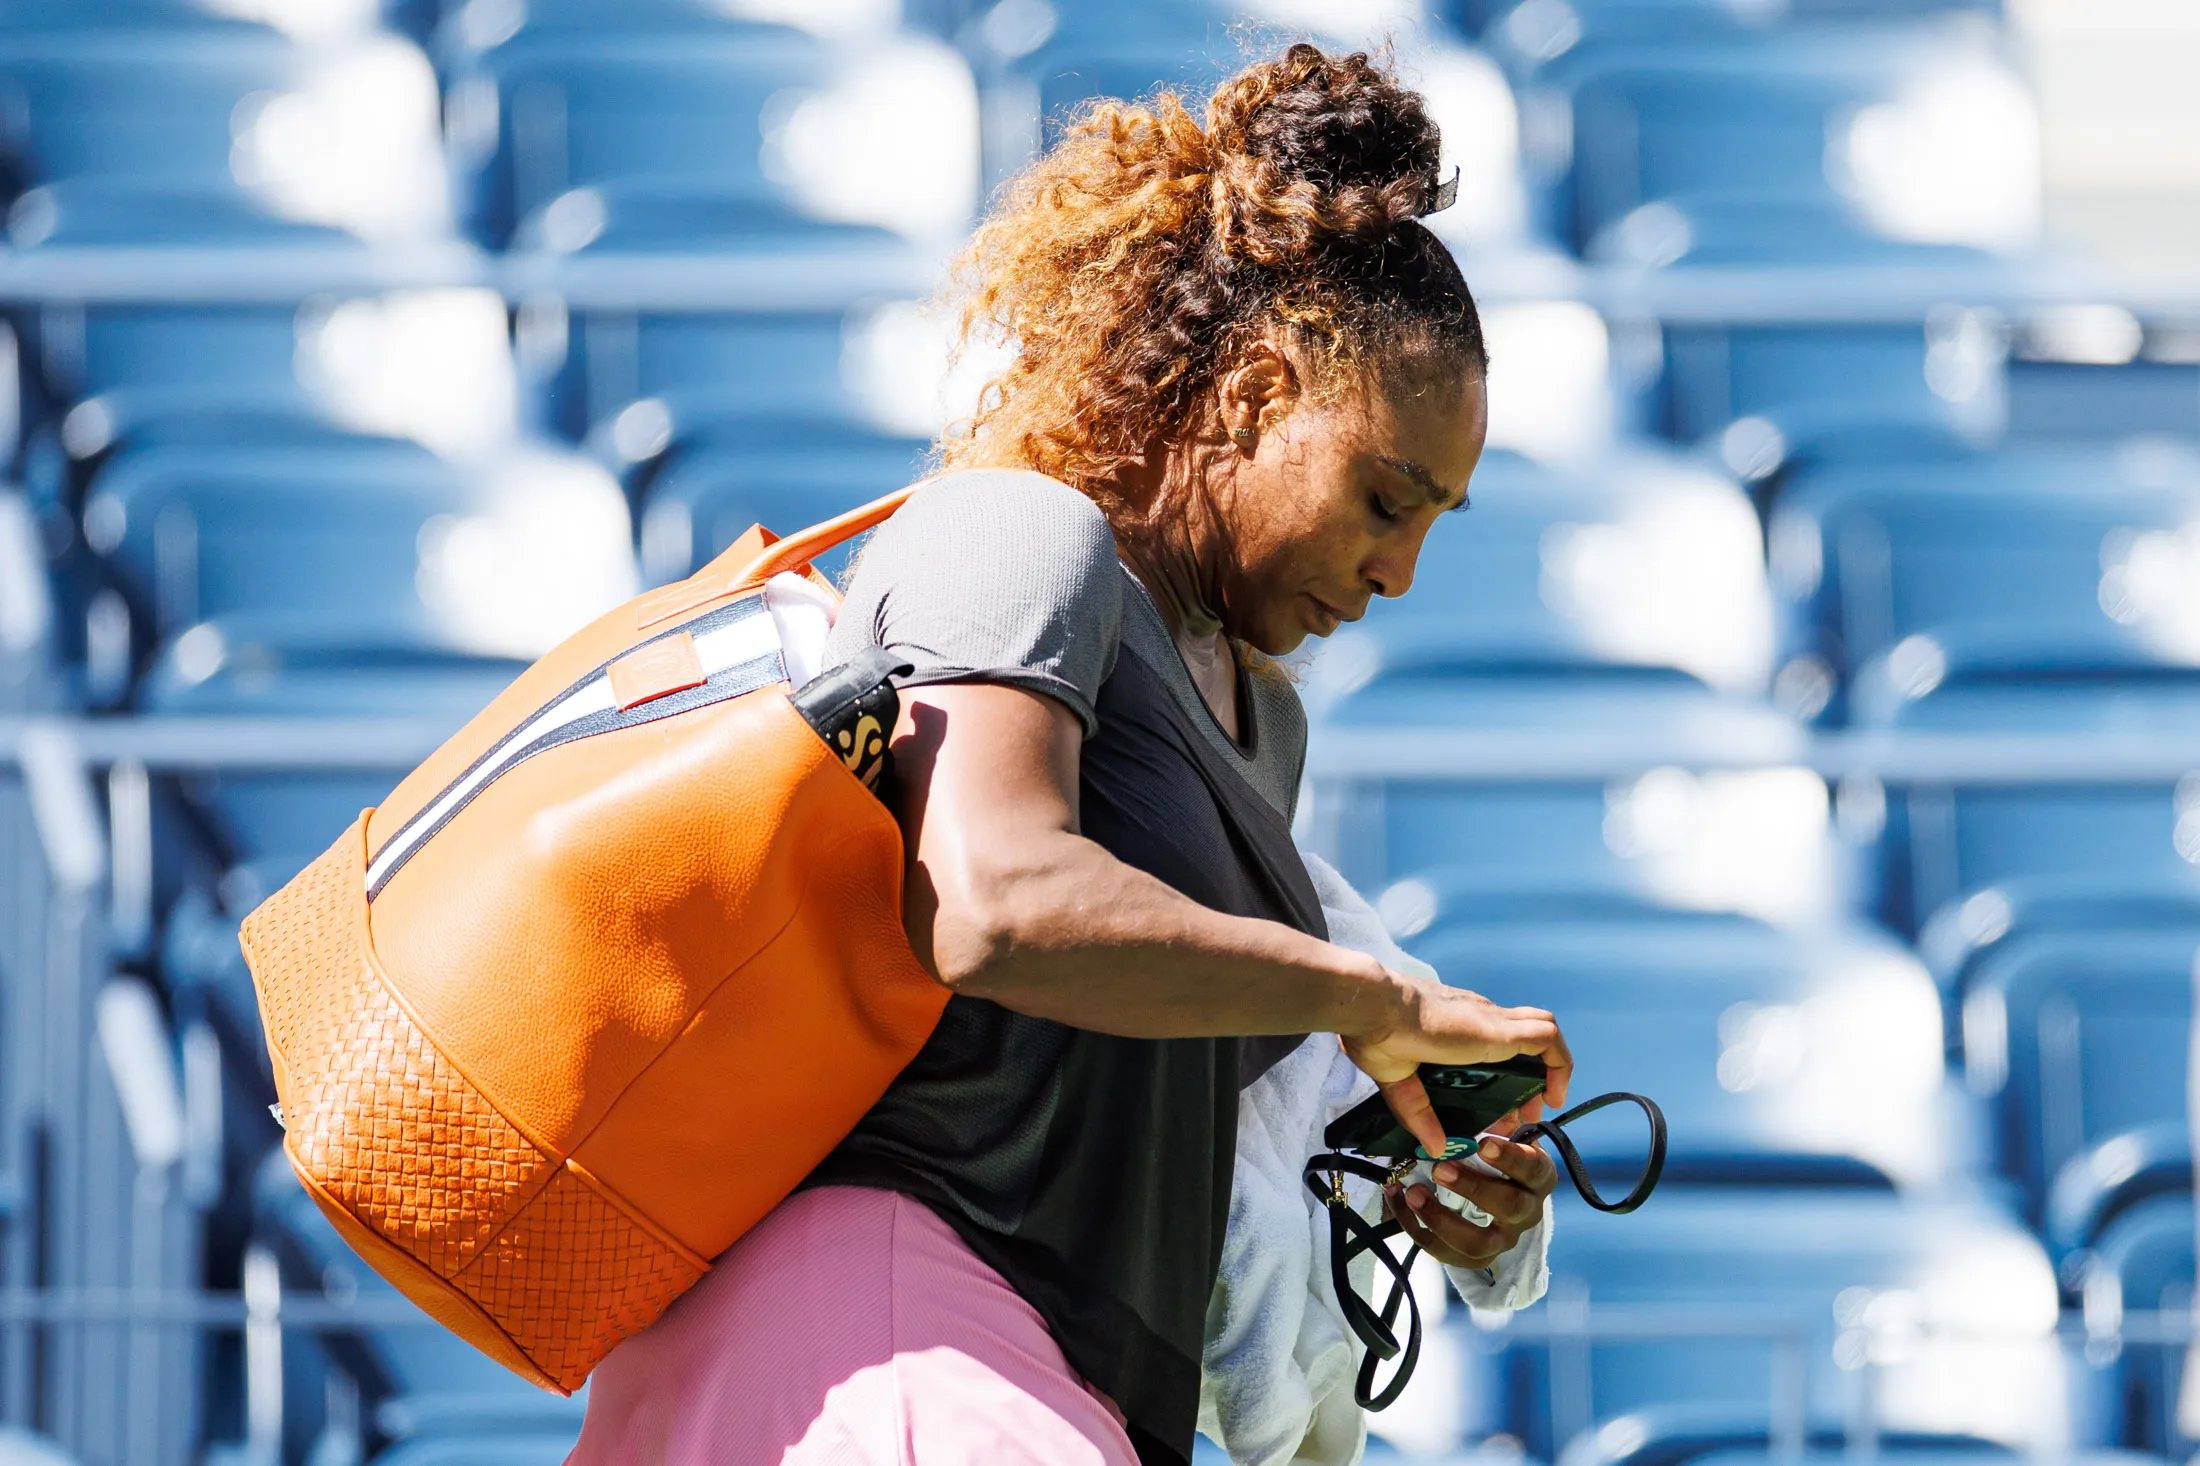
<point>1779,1059</point>
<point>701,132</point>
<point>2077,1037</point>
<point>2142,1262</point>
<point>2063,560</point>
<point>709,493</point>
<point>1831,1264</point>
<point>1680,1435</point>
<point>1540,33</point>
<point>401,550</point>
<point>2113,1176</point>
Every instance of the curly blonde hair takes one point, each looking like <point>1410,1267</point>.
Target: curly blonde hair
<point>1128,265</point>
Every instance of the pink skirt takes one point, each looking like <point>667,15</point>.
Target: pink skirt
<point>851,1327</point>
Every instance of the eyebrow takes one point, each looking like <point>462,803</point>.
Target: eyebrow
<point>1425,480</point>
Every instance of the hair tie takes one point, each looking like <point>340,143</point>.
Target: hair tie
<point>1442,196</point>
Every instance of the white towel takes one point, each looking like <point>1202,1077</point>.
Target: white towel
<point>1278,1363</point>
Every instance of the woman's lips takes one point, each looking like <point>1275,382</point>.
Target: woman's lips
<point>1326,618</point>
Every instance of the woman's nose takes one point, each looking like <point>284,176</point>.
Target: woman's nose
<point>1389,573</point>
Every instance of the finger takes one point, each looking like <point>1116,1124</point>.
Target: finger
<point>1524,1164</point>
<point>1537,1032</point>
<point>1508,1202</point>
<point>1408,1100</point>
<point>1501,1196</point>
<point>1444,1234</point>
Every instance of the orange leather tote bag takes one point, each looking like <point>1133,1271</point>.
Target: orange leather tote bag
<point>601,980</point>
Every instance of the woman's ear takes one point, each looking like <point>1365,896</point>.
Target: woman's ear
<point>1258,393</point>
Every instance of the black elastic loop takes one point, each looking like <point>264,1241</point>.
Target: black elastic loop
<point>1553,1129</point>
<point>1351,1234</point>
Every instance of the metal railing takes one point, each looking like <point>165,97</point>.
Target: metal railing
<point>210,744</point>
<point>831,276</point>
<point>1567,1327</point>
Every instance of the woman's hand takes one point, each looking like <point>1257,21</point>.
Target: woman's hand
<point>1514,1201</point>
<point>1446,1025</point>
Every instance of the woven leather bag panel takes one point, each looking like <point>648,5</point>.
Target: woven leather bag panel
<point>382,1121</point>
<point>303,929</point>
<point>572,1276</point>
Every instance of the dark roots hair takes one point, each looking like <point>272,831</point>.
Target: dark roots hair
<point>1130,264</point>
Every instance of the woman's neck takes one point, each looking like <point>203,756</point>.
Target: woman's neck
<point>1168,559</point>
<point>1173,550</point>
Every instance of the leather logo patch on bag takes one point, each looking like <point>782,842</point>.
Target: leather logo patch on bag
<point>668,664</point>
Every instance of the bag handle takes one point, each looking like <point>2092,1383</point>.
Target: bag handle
<point>806,545</point>
<point>756,558</point>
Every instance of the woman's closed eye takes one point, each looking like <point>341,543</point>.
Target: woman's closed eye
<point>1383,509</point>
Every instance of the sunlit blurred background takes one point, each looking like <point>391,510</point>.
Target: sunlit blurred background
<point>1808,710</point>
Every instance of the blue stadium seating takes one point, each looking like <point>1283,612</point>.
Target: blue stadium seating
<point>612,153</point>
<point>1944,846</point>
<point>647,117</point>
<point>711,373</point>
<point>1493,593</point>
<point>150,366</point>
<point>26,1448</point>
<point>1654,122</point>
<point>2113,1176</point>
<point>1551,832</point>
<point>1795,1258</point>
<point>1683,1435</point>
<point>269,815</point>
<point>195,532</point>
<point>2079,1036</point>
<point>1731,1025</point>
<point>531,1449</point>
<point>2142,1263</point>
<point>2005,560</point>
<point>709,493</point>
<point>1634,21</point>
<point>2064,401</point>
<point>1908,1450</point>
<point>1995,592</point>
<point>139,103</point>
<point>1964,933</point>
<point>1676,1435</point>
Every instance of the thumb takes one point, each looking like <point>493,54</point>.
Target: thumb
<point>1408,1100</point>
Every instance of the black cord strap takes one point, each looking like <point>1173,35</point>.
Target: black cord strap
<point>1554,1131</point>
<point>1351,1234</point>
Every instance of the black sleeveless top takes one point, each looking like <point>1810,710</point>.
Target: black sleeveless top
<point>1093,1172</point>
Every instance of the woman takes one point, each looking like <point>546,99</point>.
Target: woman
<point>1247,383</point>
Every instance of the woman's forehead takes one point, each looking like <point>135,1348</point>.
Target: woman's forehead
<point>1438,427</point>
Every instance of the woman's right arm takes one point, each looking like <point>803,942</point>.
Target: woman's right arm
<point>1006,900</point>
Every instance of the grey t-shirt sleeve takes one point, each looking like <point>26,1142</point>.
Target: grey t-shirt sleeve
<point>991,576</point>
